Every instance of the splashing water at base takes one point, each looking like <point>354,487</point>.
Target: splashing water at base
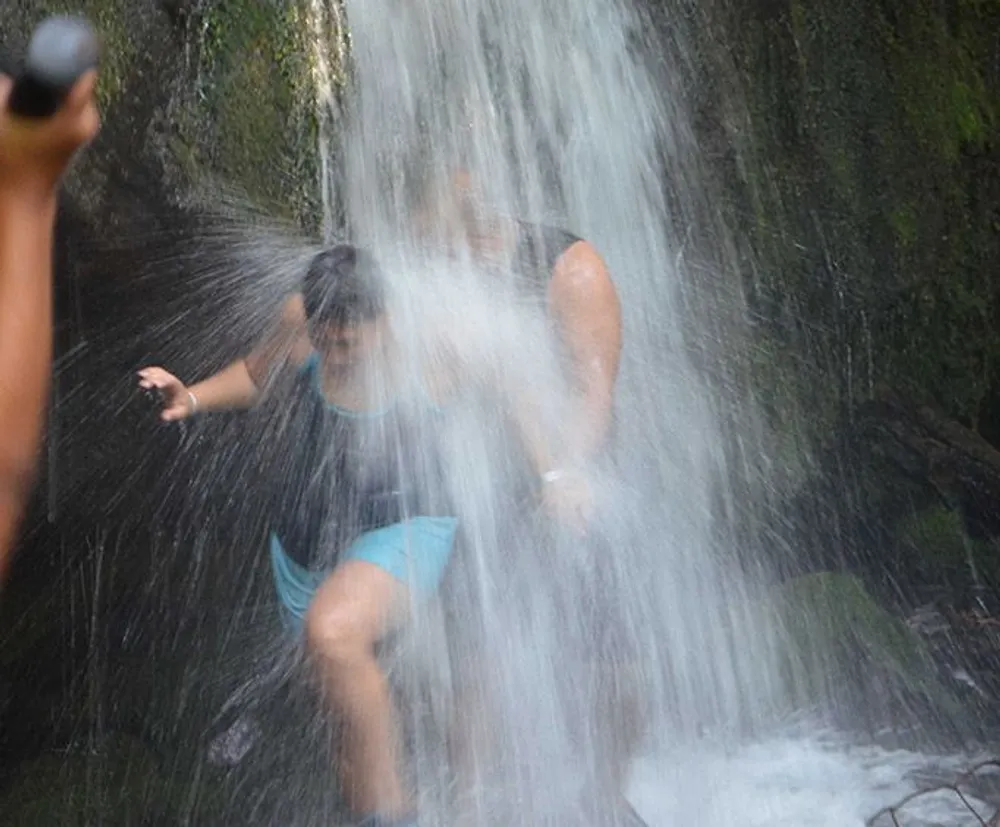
<point>821,779</point>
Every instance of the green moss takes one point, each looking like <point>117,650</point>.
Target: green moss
<point>118,50</point>
<point>799,18</point>
<point>969,113</point>
<point>832,627</point>
<point>259,99</point>
<point>871,180</point>
<point>938,533</point>
<point>947,103</point>
<point>938,536</point>
<point>825,611</point>
<point>841,166</point>
<point>904,222</point>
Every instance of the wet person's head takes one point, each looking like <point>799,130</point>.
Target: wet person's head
<point>447,209</point>
<point>344,297</point>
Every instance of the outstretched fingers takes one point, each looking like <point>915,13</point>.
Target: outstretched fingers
<point>150,378</point>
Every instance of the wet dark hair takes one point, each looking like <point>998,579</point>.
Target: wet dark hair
<point>343,286</point>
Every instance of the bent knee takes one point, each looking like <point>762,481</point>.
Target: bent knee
<point>331,634</point>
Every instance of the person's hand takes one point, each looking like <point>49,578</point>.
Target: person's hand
<point>568,497</point>
<point>34,152</point>
<point>178,402</point>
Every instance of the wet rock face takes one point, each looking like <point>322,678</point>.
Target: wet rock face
<point>189,90</point>
<point>859,148</point>
<point>195,95</point>
<point>844,653</point>
<point>142,70</point>
<point>113,661</point>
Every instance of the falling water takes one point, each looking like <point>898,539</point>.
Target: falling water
<point>329,48</point>
<point>552,110</point>
<point>549,108</point>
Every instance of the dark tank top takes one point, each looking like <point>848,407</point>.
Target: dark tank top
<point>349,472</point>
<point>539,247</point>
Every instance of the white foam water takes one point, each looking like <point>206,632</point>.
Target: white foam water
<point>820,780</point>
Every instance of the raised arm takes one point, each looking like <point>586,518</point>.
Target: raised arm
<point>33,155</point>
<point>584,304</point>
<point>239,384</point>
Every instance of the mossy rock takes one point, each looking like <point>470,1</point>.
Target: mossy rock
<point>108,16</point>
<point>867,185</point>
<point>945,550</point>
<point>938,534</point>
<point>259,103</point>
<point>840,646</point>
<point>222,91</point>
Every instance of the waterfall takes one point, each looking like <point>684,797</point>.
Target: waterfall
<point>329,50</point>
<point>553,112</point>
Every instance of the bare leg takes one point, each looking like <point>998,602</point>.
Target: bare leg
<point>352,610</point>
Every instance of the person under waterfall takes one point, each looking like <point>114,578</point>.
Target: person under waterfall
<point>355,539</point>
<point>34,154</point>
<point>567,276</point>
<point>569,279</point>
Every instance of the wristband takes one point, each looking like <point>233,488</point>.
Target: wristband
<point>194,402</point>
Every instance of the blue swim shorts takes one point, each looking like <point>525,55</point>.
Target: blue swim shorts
<point>414,551</point>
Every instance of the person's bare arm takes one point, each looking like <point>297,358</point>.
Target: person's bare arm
<point>584,304</point>
<point>565,491</point>
<point>25,350</point>
<point>33,156</point>
<point>239,384</point>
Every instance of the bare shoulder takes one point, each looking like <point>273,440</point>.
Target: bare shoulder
<point>581,273</point>
<point>580,253</point>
